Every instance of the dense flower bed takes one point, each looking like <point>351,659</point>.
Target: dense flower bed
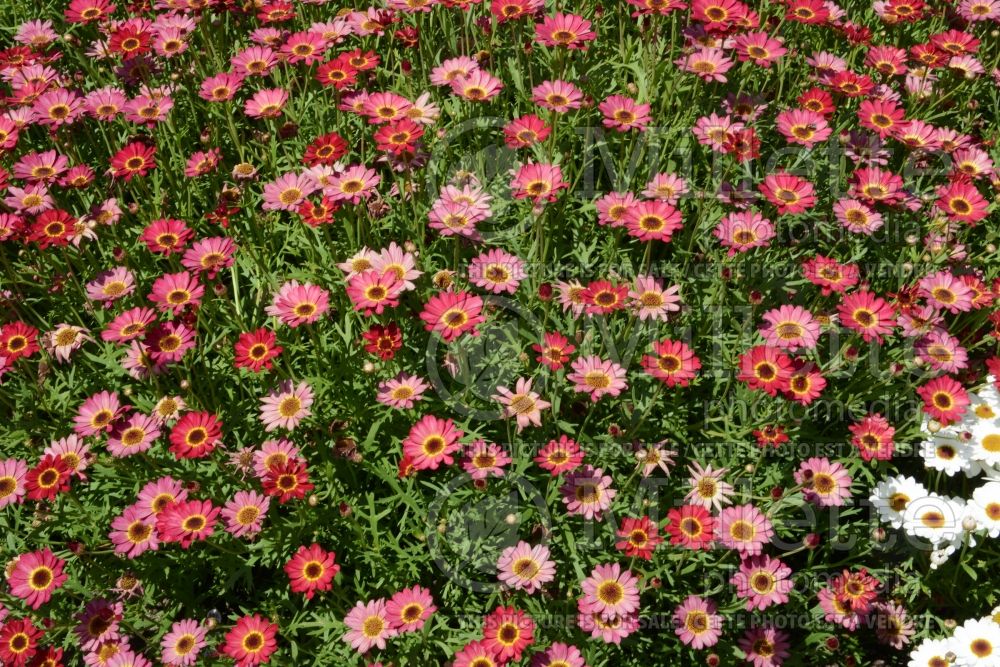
<point>466,333</point>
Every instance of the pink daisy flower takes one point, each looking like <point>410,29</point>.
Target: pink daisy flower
<point>297,304</point>
<point>651,301</point>
<point>266,103</point>
<point>823,482</point>
<point>244,513</point>
<point>133,435</point>
<point>597,377</point>
<point>566,30</point>
<point>35,576</point>
<point>559,655</point>
<point>558,96</point>
<point>610,592</point>
<point>111,285</point>
<point>186,522</point>
<point>944,290</point>
<point>559,456</point>
<point>484,459</point>
<point>497,271</point>
<point>525,567</point>
<point>409,609</point>
<point>800,126</point>
<point>373,291</point>
<point>176,291</point>
<point>765,646</point>
<point>622,113</point>
<point>710,64</point>
<point>451,314</point>
<point>696,622</point>
<point>431,442</point>
<point>402,391</point>
<point>368,626</point>
<point>97,414</point>
<point>743,230</point>
<point>790,328</point>
<point>288,191</point>
<point>652,221</point>
<point>762,581</point>
<point>286,406</point>
<point>743,528</point>
<point>355,183</point>
<point>182,644</point>
<point>587,492</point>
<point>538,182</point>
<point>522,403</point>
<point>12,475</point>
<point>477,86</point>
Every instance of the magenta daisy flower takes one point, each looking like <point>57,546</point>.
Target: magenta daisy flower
<point>286,406</point>
<point>187,522</point>
<point>525,567</point>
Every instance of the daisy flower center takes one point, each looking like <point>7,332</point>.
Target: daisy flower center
<point>611,592</point>
<point>742,531</point>
<point>40,578</point>
<point>247,515</point>
<point>289,406</point>
<point>373,626</point>
<point>526,568</point>
<point>597,380</point>
<point>991,443</point>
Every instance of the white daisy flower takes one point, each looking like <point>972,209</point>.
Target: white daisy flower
<point>976,643</point>
<point>935,518</point>
<point>893,494</point>
<point>985,507</point>
<point>949,454</point>
<point>931,653</point>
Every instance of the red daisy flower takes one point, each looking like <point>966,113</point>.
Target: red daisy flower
<point>255,350</point>
<point>251,641</point>
<point>640,537</point>
<point>311,569</point>
<point>135,159</point>
<point>287,480</point>
<point>944,399</point>
<point>691,527</point>
<point>48,479</point>
<point>195,435</point>
<point>766,368</point>
<point>383,341</point>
